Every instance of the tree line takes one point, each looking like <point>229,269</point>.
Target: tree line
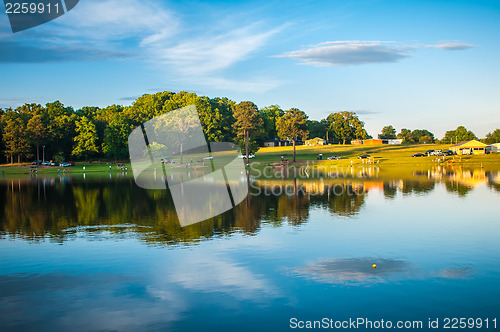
<point>58,132</point>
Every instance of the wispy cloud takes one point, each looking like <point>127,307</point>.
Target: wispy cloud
<point>204,59</point>
<point>344,53</point>
<point>147,31</point>
<point>451,46</point>
<point>129,98</point>
<point>118,19</point>
<point>364,112</point>
<point>207,54</point>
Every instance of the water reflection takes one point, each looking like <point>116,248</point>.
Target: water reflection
<point>353,270</point>
<point>64,207</point>
<point>462,180</point>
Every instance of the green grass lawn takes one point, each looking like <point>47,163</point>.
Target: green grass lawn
<point>383,155</point>
<point>78,168</point>
<point>393,159</point>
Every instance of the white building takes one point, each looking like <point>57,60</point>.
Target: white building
<point>495,147</point>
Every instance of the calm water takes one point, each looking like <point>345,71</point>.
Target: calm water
<point>101,254</point>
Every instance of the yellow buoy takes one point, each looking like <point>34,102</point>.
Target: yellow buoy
<point>374,266</point>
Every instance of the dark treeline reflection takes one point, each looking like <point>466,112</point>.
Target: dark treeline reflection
<point>62,208</point>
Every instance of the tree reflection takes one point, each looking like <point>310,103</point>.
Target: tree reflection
<point>61,208</point>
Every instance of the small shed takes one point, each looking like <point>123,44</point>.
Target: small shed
<point>315,141</point>
<point>469,147</point>
<point>373,141</point>
<point>275,142</point>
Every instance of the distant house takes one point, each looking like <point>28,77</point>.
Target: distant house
<point>357,142</point>
<point>469,147</point>
<point>378,141</point>
<point>275,142</point>
<point>495,147</point>
<point>315,141</point>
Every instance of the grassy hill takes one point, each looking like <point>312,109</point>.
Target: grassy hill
<point>382,155</point>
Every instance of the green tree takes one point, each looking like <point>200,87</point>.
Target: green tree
<point>317,128</point>
<point>14,135</point>
<point>60,122</point>
<point>2,143</point>
<point>388,132</point>
<point>270,116</point>
<point>36,133</point>
<point>493,137</point>
<point>292,125</point>
<point>422,136</point>
<point>346,126</point>
<point>216,118</point>
<point>405,135</point>
<point>85,139</point>
<point>460,134</point>
<point>248,122</point>
<point>115,141</point>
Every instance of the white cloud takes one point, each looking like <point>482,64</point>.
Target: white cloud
<point>147,30</point>
<point>451,46</point>
<point>208,54</point>
<point>344,53</point>
<point>221,275</point>
<point>117,19</point>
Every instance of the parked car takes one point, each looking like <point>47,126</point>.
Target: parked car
<point>67,164</point>
<point>208,158</point>
<point>364,156</point>
<point>54,163</point>
<point>429,152</point>
<point>334,158</point>
<point>34,163</point>
<point>448,153</point>
<point>46,163</point>
<point>250,156</point>
<point>418,155</point>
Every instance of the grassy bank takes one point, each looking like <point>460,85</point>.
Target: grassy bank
<point>381,155</point>
<point>390,159</point>
<point>78,168</point>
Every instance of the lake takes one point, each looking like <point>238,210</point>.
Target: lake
<point>98,253</point>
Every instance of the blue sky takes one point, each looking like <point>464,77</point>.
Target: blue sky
<point>412,64</point>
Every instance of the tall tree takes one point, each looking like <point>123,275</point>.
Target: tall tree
<point>493,137</point>
<point>115,141</point>
<point>248,122</point>
<point>292,125</point>
<point>405,135</point>
<point>388,132</point>
<point>60,128</point>
<point>458,135</point>
<point>86,139</point>
<point>36,133</point>
<point>422,136</point>
<point>14,135</point>
<point>317,128</point>
<point>270,116</point>
<point>345,126</point>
